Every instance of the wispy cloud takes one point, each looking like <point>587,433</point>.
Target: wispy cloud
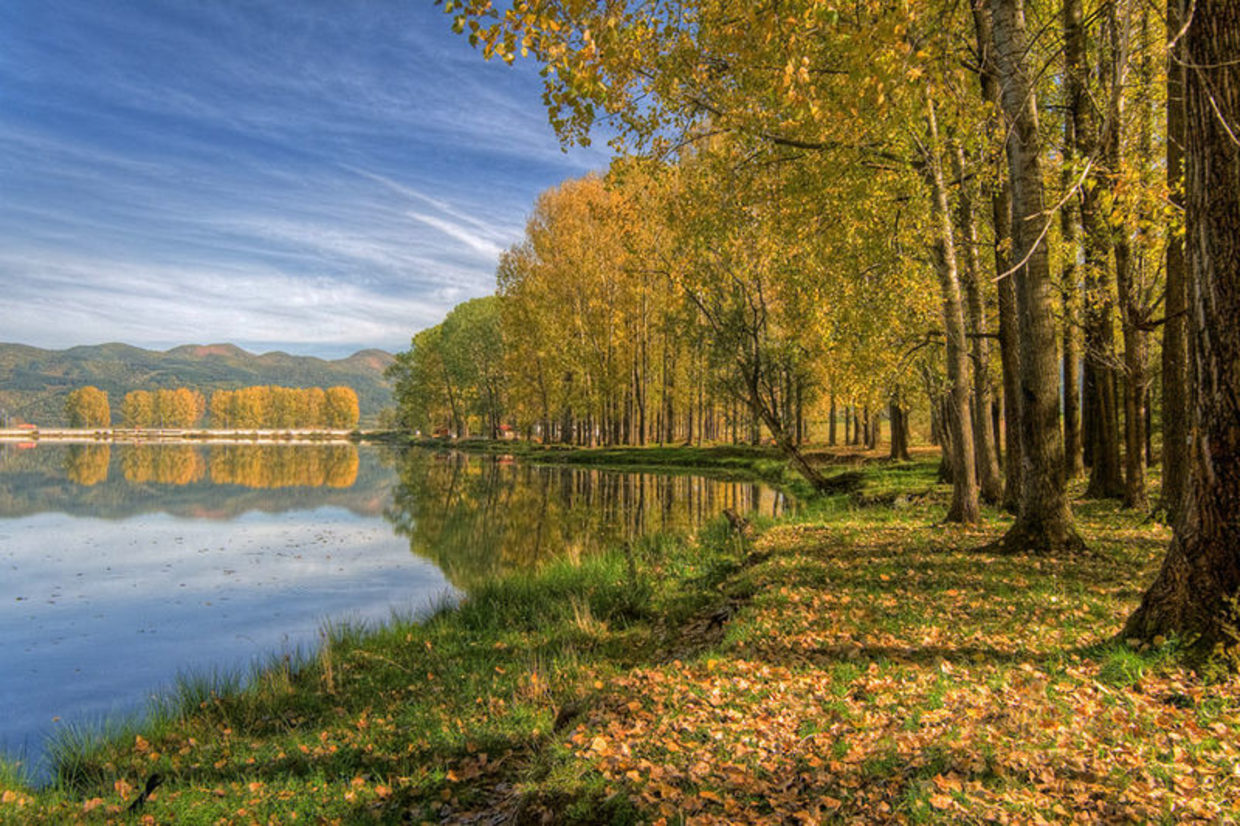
<point>308,174</point>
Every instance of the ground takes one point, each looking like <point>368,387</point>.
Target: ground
<point>854,663</point>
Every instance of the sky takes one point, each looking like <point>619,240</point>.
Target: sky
<point>317,176</point>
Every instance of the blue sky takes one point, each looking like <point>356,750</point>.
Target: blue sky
<point>315,176</point>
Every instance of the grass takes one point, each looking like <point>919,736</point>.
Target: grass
<point>855,662</point>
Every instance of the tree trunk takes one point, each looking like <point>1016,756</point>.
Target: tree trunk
<point>1131,310</point>
<point>985,447</point>
<point>1044,521</point>
<point>1101,406</point>
<point>1073,458</point>
<point>1131,314</point>
<point>1194,595</point>
<point>831,433</point>
<point>1175,358</point>
<point>899,433</point>
<point>964,505</point>
<point>1001,216</point>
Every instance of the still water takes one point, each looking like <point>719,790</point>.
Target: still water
<point>126,565</point>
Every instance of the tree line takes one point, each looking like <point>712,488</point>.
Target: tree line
<point>1032,206</point>
<point>284,407</point>
<point>265,407</point>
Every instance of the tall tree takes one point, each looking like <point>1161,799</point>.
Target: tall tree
<point>1044,522</point>
<point>1194,595</point>
<point>138,409</point>
<point>964,505</point>
<point>1001,220</point>
<point>1102,448</point>
<point>88,407</point>
<point>1176,408</point>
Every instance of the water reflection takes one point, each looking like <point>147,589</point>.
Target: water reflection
<point>172,557</point>
<point>279,466</point>
<point>480,517</point>
<point>87,465</point>
<point>190,479</point>
<point>162,464</point>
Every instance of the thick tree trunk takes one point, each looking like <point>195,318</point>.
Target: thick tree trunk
<point>1194,595</point>
<point>1044,521</point>
<point>899,432</point>
<point>1001,216</point>
<point>1175,357</point>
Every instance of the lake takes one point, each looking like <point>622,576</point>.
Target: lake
<point>126,565</point>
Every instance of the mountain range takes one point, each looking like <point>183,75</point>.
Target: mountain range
<point>34,383</point>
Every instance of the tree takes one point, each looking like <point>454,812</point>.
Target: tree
<point>138,409</point>
<point>1194,597</point>
<point>88,407</point>
<point>964,506</point>
<point>1044,521</point>
<point>425,398</point>
<point>1176,409</point>
<point>473,355</point>
<point>341,409</point>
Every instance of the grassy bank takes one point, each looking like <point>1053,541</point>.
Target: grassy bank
<point>854,663</point>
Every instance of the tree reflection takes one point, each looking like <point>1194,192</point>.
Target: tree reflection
<point>282,466</point>
<point>478,517</point>
<point>87,465</point>
<point>162,464</point>
<point>250,466</point>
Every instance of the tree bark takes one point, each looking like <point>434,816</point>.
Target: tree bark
<point>899,432</point>
<point>1131,312</point>
<point>831,432</point>
<point>964,504</point>
<point>1194,595</point>
<point>985,449</point>
<point>1044,522</point>
<point>1001,215</point>
<point>1101,406</point>
<point>1073,458</point>
<point>1175,358</point>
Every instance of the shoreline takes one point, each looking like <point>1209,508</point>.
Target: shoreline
<point>114,435</point>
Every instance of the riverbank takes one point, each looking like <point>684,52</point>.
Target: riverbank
<point>760,462</point>
<point>856,662</point>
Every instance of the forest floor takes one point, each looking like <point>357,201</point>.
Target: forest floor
<point>856,662</point>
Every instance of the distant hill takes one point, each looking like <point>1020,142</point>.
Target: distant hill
<point>34,382</point>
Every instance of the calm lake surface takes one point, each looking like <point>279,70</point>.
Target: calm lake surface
<point>125,565</point>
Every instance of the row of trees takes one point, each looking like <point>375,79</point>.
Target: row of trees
<point>162,408</point>
<point>608,327</point>
<point>248,407</point>
<point>809,177</point>
<point>284,407</point>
